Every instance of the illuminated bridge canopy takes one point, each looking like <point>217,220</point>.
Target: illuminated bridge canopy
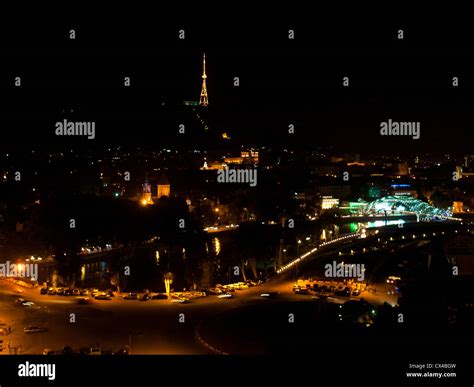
<point>404,204</point>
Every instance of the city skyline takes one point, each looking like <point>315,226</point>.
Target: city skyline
<point>280,190</point>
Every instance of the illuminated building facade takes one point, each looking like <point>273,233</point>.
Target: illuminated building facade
<point>146,195</point>
<point>164,187</point>
<point>328,202</point>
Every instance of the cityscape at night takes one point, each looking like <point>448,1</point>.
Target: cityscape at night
<point>170,190</point>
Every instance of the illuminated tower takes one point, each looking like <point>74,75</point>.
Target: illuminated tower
<point>146,196</point>
<point>203,101</point>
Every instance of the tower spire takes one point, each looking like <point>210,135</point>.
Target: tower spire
<point>203,101</point>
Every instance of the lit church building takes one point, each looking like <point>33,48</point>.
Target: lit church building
<point>163,189</point>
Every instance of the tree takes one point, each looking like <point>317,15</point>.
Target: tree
<point>168,278</point>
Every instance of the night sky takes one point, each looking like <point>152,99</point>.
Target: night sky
<point>282,82</point>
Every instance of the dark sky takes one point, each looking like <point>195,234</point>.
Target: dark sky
<point>281,81</point>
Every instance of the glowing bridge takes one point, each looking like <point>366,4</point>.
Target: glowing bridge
<point>391,205</point>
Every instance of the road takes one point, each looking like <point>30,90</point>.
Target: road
<point>151,327</point>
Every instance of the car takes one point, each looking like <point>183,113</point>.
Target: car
<point>95,351</point>
<point>180,300</point>
<point>159,296</point>
<point>67,292</point>
<point>131,296</point>
<point>269,294</point>
<point>27,303</point>
<point>214,291</point>
<point>59,291</point>
<point>51,292</point>
<point>145,297</point>
<point>102,296</point>
<point>324,290</point>
<point>76,292</point>
<point>225,295</point>
<point>302,291</point>
<point>393,279</point>
<point>84,292</point>
<point>43,291</point>
<point>67,350</point>
<point>122,351</point>
<point>84,301</point>
<point>94,292</point>
<point>34,329</point>
<point>48,351</point>
<point>356,292</point>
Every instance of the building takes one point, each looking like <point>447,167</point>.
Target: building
<point>328,202</point>
<point>146,194</point>
<point>458,207</point>
<point>164,187</point>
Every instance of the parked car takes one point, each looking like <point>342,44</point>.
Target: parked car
<point>180,300</point>
<point>34,329</point>
<point>225,295</point>
<point>51,292</point>
<point>76,292</point>
<point>43,291</point>
<point>84,301</point>
<point>48,351</point>
<point>122,351</point>
<point>145,297</point>
<point>214,291</point>
<point>59,291</point>
<point>131,296</point>
<point>356,292</point>
<point>84,351</point>
<point>159,296</point>
<point>269,294</point>
<point>84,292</point>
<point>95,351</point>
<point>102,296</point>
<point>67,292</point>
<point>67,350</point>
<point>302,291</point>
